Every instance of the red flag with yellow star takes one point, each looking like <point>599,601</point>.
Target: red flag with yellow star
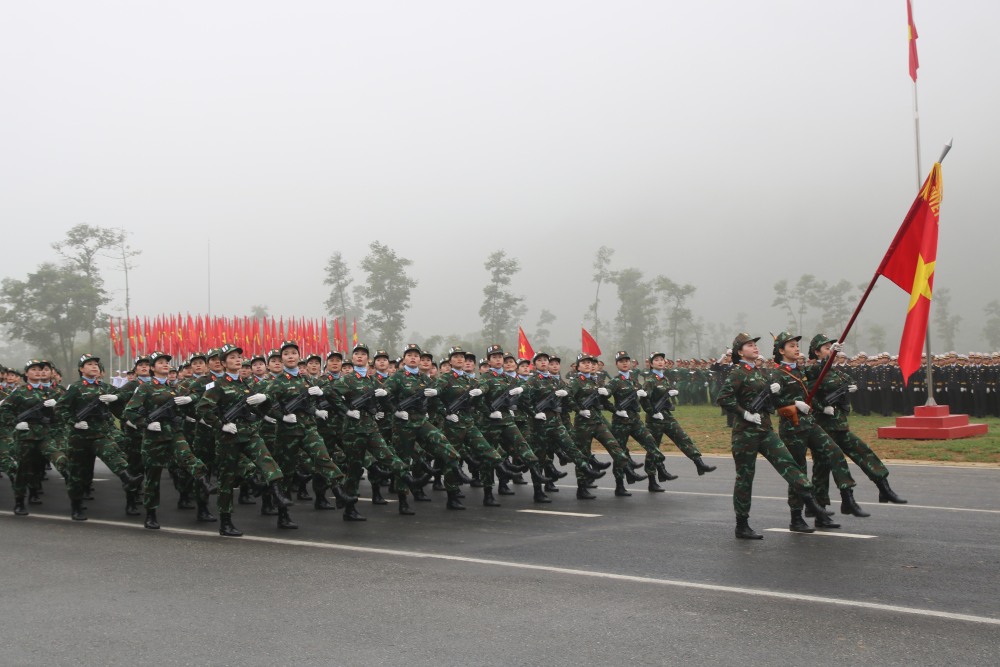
<point>524,350</point>
<point>909,263</point>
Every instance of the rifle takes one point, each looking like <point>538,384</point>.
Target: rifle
<point>33,414</point>
<point>550,402</point>
<point>239,411</point>
<point>590,400</point>
<point>164,413</point>
<point>365,402</point>
<point>459,404</point>
<point>664,402</point>
<point>86,411</point>
<point>296,403</point>
<point>762,401</point>
<point>838,397</point>
<point>412,401</point>
<point>500,402</point>
<point>628,403</point>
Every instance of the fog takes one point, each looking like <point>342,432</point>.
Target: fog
<point>726,144</point>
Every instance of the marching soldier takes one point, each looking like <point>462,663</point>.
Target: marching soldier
<point>625,423</point>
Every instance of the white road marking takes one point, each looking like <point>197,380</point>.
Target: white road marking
<point>559,513</point>
<point>831,533</point>
<point>675,583</point>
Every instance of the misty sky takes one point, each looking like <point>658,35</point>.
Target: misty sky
<point>729,144</point>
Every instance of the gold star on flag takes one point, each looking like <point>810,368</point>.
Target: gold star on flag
<point>921,281</point>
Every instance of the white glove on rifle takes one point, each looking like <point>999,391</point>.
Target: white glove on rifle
<point>128,423</point>
<point>191,420</point>
<point>379,415</point>
<point>540,416</point>
<point>154,426</point>
<point>270,420</point>
<point>452,418</point>
<point>315,391</point>
<point>584,413</point>
<point>673,392</point>
<point>322,414</point>
<point>641,393</point>
<point>828,410</point>
<point>516,391</point>
<point>475,392</point>
<point>561,393</point>
<point>290,418</point>
<point>354,414</point>
<point>51,403</point>
<point>107,398</point>
<point>621,413</point>
<point>81,426</point>
<point>230,428</point>
<point>402,414</point>
<point>381,393</point>
<point>22,426</point>
<point>182,400</point>
<point>803,407</point>
<point>658,416</point>
<point>430,393</point>
<point>775,387</point>
<point>496,414</point>
<point>851,388</point>
<point>256,399</point>
<point>602,391</point>
<point>751,417</point>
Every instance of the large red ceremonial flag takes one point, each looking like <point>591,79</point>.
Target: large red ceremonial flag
<point>911,31</point>
<point>524,350</point>
<point>909,263</point>
<point>590,345</point>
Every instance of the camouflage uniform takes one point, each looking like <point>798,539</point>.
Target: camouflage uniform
<point>34,446</point>
<point>658,387</point>
<point>583,390</point>
<point>460,426</point>
<point>625,391</point>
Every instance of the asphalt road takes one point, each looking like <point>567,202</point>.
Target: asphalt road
<point>652,579</point>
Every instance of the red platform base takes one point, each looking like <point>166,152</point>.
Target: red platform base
<point>932,422</point>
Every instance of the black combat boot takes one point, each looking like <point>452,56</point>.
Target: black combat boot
<point>538,475</point>
<point>849,506</point>
<point>437,486</point>
<point>540,496</point>
<point>131,482</point>
<point>663,474</point>
<point>582,493</point>
<point>404,506</point>
<point>631,462</point>
<point>33,497</point>
<point>19,508</point>
<point>226,527</point>
<point>551,471</point>
<point>798,524</point>
<point>701,466</point>
<point>184,502</point>
<point>351,512</point>
<point>131,503</point>
<point>597,464</point>
<point>519,479</point>
<point>744,531</point>
<point>462,477</point>
<point>632,476</point>
<point>654,487</point>
<point>77,510</point>
<point>453,502</point>
<point>886,494</point>
<point>285,519</point>
<point>504,490</point>
<point>244,497</point>
<point>302,493</point>
<point>342,496</point>
<point>488,499</point>
<point>810,514</point>
<point>319,491</point>
<point>823,520</point>
<point>620,489</point>
<point>267,505</point>
<point>204,515</point>
<point>151,523</point>
<point>377,498</point>
<point>550,487</point>
<point>207,485</point>
<point>420,495</point>
<point>279,495</point>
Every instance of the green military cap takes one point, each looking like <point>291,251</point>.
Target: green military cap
<point>397,361</point>
<point>142,358</point>
<point>622,354</point>
<point>456,351</point>
<point>87,357</point>
<point>246,363</point>
<point>274,354</point>
<point>361,346</point>
<point>539,355</point>
<point>317,357</point>
<point>469,356</point>
<point>380,353</point>
<point>741,340</point>
<point>494,349</point>
<point>509,355</point>
<point>553,357</point>
<point>819,340</point>
<point>214,352</point>
<point>228,349</point>
<point>198,355</point>
<point>41,363</point>
<point>285,344</point>
<point>258,357</point>
<point>583,356</point>
<point>782,338</point>
<point>522,360</point>
<point>335,353</point>
<point>654,355</point>
<point>426,355</point>
<point>413,347</point>
<point>156,356</point>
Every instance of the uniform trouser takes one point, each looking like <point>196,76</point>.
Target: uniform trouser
<point>80,455</point>
<point>859,452</point>
<point>469,441</point>
<point>585,431</point>
<point>232,456</point>
<point>290,445</point>
<point>331,438</point>
<point>746,446</point>
<point>409,436</point>
<point>550,437</point>
<point>203,445</point>
<point>623,429</point>
<point>31,456</point>
<point>823,448</point>
<point>363,446</point>
<point>671,428</point>
<point>8,461</point>
<point>157,455</point>
<point>507,439</point>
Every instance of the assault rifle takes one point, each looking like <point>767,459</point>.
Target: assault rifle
<point>365,401</point>
<point>34,413</point>
<point>412,401</point>
<point>501,402</point>
<point>239,411</point>
<point>762,401</point>
<point>89,409</point>
<point>590,400</point>
<point>459,404</point>
<point>630,402</point>
<point>664,403</point>
<point>297,403</point>
<point>838,397</point>
<point>550,402</point>
<point>164,413</point>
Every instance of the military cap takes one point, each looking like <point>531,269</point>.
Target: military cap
<point>314,355</point>
<point>741,340</point>
<point>819,340</point>
<point>654,355</point>
<point>156,356</point>
<point>539,355</point>
<point>381,353</point>
<point>197,355</point>
<point>494,349</point>
<point>622,355</point>
<point>214,352</point>
<point>87,357</point>
<point>522,360</point>
<point>456,350</point>
<point>274,354</point>
<point>246,362</point>
<point>140,359</point>
<point>509,355</point>
<point>469,356</point>
<point>361,346</point>
<point>782,338</point>
<point>258,357</point>
<point>41,363</point>
<point>285,344</point>
<point>426,355</point>
<point>228,349</point>
<point>553,357</point>
<point>583,355</point>
<point>413,347</point>
<point>334,353</point>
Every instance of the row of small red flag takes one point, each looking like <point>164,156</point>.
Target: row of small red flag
<point>588,345</point>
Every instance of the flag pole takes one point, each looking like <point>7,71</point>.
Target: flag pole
<point>929,365</point>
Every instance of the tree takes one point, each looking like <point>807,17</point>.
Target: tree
<point>991,332</point>
<point>876,337</point>
<point>945,324</point>
<point>601,274</point>
<point>258,312</point>
<point>797,300</point>
<point>500,305</point>
<point>386,293</point>
<point>636,317</point>
<point>83,246</point>
<point>542,332</point>
<point>675,295</point>
<point>51,309</point>
<point>338,277</point>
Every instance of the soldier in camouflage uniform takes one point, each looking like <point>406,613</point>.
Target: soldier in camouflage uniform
<point>228,407</point>
<point>753,434</point>
<point>659,407</point>
<point>331,428</point>
<point>800,432</point>
<point>832,407</point>
<point>30,411</point>
<point>130,438</point>
<point>152,409</point>
<point>84,405</point>
<point>627,392</point>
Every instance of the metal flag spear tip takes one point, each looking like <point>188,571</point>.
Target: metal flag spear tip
<point>944,151</point>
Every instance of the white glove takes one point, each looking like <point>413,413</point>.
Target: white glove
<point>584,413</point>
<point>379,415</point>
<point>81,426</point>
<point>402,414</point>
<point>962,390</point>
<point>256,399</point>
<point>511,411</point>
<point>229,428</point>
<point>641,393</point>
<point>51,403</point>
<point>290,418</point>
<point>22,426</point>
<point>107,398</point>
<point>803,407</point>
<point>516,391</point>
<point>775,387</point>
<point>322,414</point>
<point>430,393</point>
<point>128,423</point>
<point>916,389</point>
<point>354,414</point>
<point>182,400</point>
<point>191,419</point>
<point>621,413</point>
<point>602,391</point>
<point>851,388</point>
<point>828,410</point>
<point>673,392</point>
<point>270,420</point>
<point>496,414</point>
<point>452,418</point>
<point>154,426</point>
<point>561,393</point>
<point>751,417</point>
<point>836,347</point>
<point>658,416</point>
<point>381,393</point>
<point>203,422</point>
<point>315,391</point>
<point>475,392</point>
<point>540,416</point>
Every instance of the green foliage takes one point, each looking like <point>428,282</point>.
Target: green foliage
<point>602,274</point>
<point>386,293</point>
<point>500,306</point>
<point>636,317</point>
<point>992,329</point>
